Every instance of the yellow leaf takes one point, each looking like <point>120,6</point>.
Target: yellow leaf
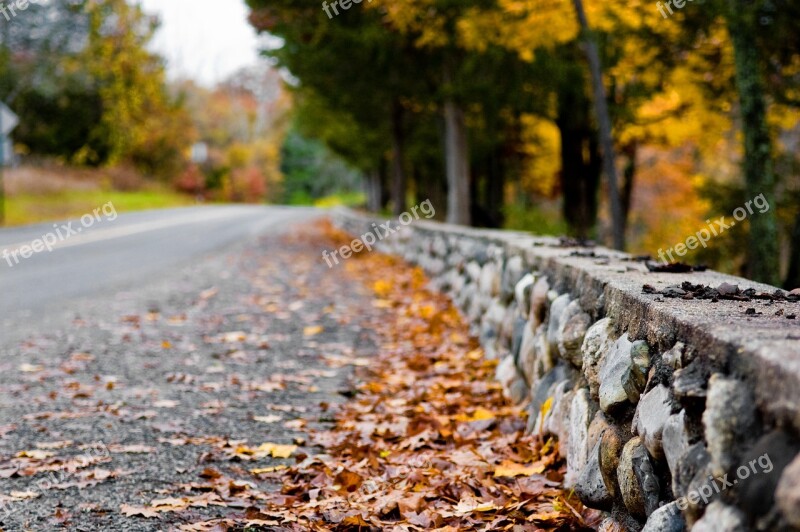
<point>312,331</point>
<point>272,469</point>
<point>382,288</point>
<point>547,406</point>
<point>277,451</point>
<point>35,454</point>
<point>283,451</point>
<point>480,414</point>
<point>513,469</point>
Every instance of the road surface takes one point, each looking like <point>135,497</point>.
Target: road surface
<point>113,255</point>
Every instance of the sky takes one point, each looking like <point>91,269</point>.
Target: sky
<point>202,40</point>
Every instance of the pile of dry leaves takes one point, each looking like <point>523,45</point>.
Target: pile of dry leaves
<point>427,442</point>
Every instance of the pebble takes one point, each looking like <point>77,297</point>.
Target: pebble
<point>591,487</point>
<point>787,495</point>
<point>675,439</point>
<point>668,518</point>
<point>557,309</point>
<point>729,420</point>
<point>638,482</point>
<point>596,344</point>
<point>580,416</point>
<point>720,518</point>
<point>623,373</point>
<point>652,413</point>
<point>522,294</point>
<point>539,302</point>
<point>571,331</point>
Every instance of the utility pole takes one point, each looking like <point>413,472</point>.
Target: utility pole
<point>2,168</point>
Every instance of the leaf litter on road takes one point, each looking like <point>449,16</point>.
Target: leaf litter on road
<point>428,442</point>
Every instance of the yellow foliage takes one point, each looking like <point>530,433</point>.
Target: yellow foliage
<point>542,147</point>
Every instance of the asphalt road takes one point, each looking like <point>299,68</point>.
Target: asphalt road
<point>111,254</point>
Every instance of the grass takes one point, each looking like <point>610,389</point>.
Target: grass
<point>347,199</point>
<point>27,209</point>
<point>542,219</point>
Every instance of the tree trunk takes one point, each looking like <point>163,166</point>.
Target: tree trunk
<point>495,186</point>
<point>793,277</point>
<point>457,161</point>
<point>580,175</point>
<point>374,194</point>
<point>627,186</point>
<point>604,124</point>
<point>763,261</point>
<point>398,156</point>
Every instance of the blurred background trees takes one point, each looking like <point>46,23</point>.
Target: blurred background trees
<point>489,108</point>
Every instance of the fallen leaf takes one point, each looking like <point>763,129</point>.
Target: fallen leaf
<point>513,469</point>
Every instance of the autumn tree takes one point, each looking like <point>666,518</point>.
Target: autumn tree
<point>143,123</point>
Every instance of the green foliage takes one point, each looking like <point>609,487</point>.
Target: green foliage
<point>311,172</point>
<point>87,89</point>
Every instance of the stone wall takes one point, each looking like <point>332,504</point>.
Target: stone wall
<point>663,389</point>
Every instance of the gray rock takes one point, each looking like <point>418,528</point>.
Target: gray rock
<point>455,259</point>
<point>512,273</point>
<point>556,422</point>
<point>674,357</point>
<point>766,461</point>
<point>489,282</point>
<point>557,309</point>
<point>506,372</point>
<point>623,372</point>
<point>638,482</point>
<point>572,329</point>
<point>721,518</point>
<point>545,359</point>
<point>652,413</point>
<point>693,464</point>
<point>474,271</point>
<point>507,328</point>
<point>635,378</point>
<point>611,445</point>
<point>644,470</point>
<point>600,423</point>
<point>518,390</point>
<point>675,437</point>
<point>539,302</point>
<point>544,389</point>
<point>526,359</point>
<point>596,344</point>
<point>668,518</point>
<point>591,487</point>
<point>691,381</point>
<point>522,294</point>
<point>580,416</point>
<point>788,493</point>
<point>488,333</point>
<point>729,421</point>
<point>439,247</point>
